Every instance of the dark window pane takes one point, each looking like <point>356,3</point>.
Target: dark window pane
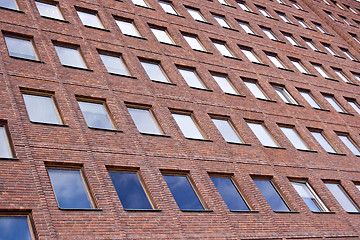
<point>229,193</point>
<point>69,189</point>
<point>130,190</point>
<point>14,227</point>
<point>271,195</point>
<point>183,193</point>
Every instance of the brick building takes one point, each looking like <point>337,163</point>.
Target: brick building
<point>189,119</point>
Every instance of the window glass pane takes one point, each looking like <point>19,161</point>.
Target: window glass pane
<point>196,14</point>
<point>299,67</point>
<point>22,48</point>
<point>262,134</point>
<point>155,72</point>
<point>350,144</point>
<point>250,55</point>
<point>319,27</point>
<point>96,115</point>
<point>70,57</point>
<point>246,28</point>
<point>334,103</point>
<point>49,10</point>
<point>330,50</point>
<point>15,227</point>
<point>355,106</point>
<point>11,4</point>
<point>255,90</point>
<point>310,99</point>
<point>309,197</point>
<point>162,36</point>
<point>183,192</point>
<point>230,194</point>
<point>222,22</point>
<point>264,12</point>
<point>342,197</point>
<point>5,149</point>
<point>128,28</point>
<point>341,75</point>
<point>41,109</point>
<point>115,65</point>
<point>140,3</point>
<point>311,45</point>
<point>348,54</point>
<point>227,131</point>
<point>168,7</point>
<point>294,138</point>
<point>69,188</point>
<point>271,195</point>
<point>291,40</point>
<point>275,60</point>
<point>285,95</point>
<point>187,126</point>
<point>222,48</point>
<point>194,43</point>
<point>89,19</point>
<point>243,6</point>
<point>321,71</point>
<point>144,121</point>
<point>225,85</point>
<point>191,78</point>
<point>323,142</point>
<point>284,18</point>
<point>130,190</point>
<point>269,34</point>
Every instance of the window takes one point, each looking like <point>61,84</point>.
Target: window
<point>354,105</point>
<point>162,35</point>
<point>243,6</point>
<point>227,130</point>
<point>90,19</point>
<point>168,7</point>
<point>42,108</point>
<point>130,190</point>
<point>225,84</point>
<point>127,27</point>
<point>262,134</point>
<point>276,61</point>
<point>6,150</point>
<point>291,40</point>
<point>350,144</point>
<point>264,12</point>
<point>49,10</point>
<point>311,44</point>
<point>330,50</point>
<point>356,76</point>
<point>309,196</point>
<point>355,37</point>
<point>188,126</point>
<point>294,138</point>
<point>10,4</point>
<point>302,23</point>
<point>270,34</point>
<point>142,3</point>
<point>155,71</point>
<point>230,193</point>
<point>115,64</point>
<point>331,16</point>
<point>348,54</point>
<point>194,43</point>
<point>222,22</point>
<point>96,115</point>
<point>345,20</point>
<point>351,9</point>
<point>321,139</point>
<point>310,99</point>
<point>320,28</point>
<point>271,195</point>
<point>195,13</point>
<point>321,70</point>
<point>183,192</point>
<point>255,90</point>
<point>191,78</point>
<point>15,227</point>
<point>250,55</point>
<point>223,49</point>
<point>224,2</point>
<point>70,56</point>
<point>296,5</point>
<point>342,197</point>
<point>334,103</point>
<point>145,120</point>
<point>299,66</point>
<point>342,75</point>
<point>70,189</point>
<point>246,27</point>
<point>21,48</point>
<point>284,94</point>
<point>283,17</point>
